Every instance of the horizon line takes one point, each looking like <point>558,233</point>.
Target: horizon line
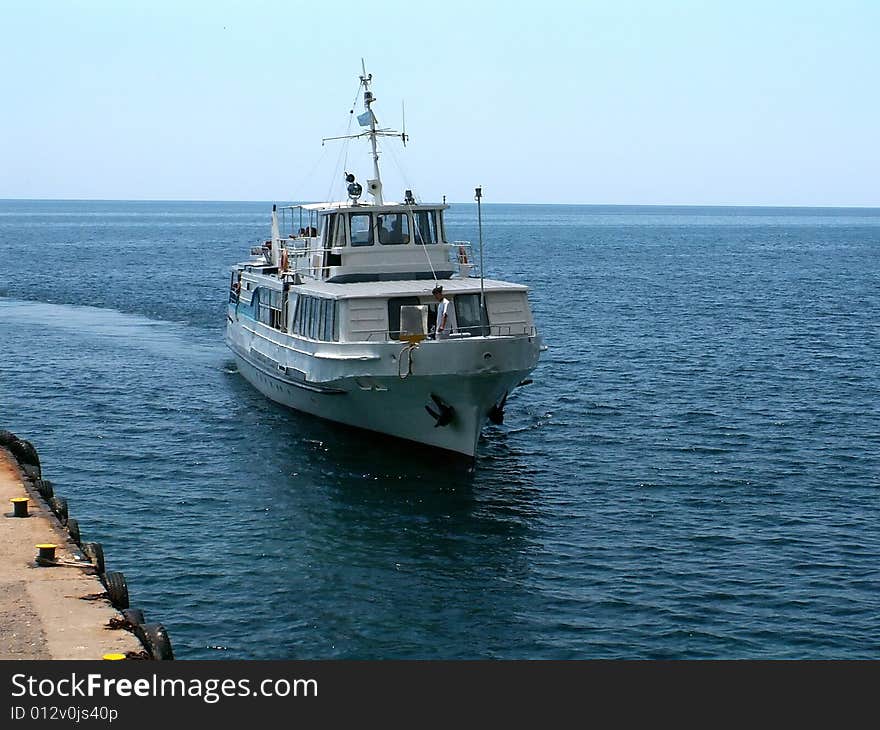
<point>450,202</point>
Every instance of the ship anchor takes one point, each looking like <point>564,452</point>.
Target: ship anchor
<point>446,414</point>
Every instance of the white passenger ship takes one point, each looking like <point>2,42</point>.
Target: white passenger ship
<point>334,316</point>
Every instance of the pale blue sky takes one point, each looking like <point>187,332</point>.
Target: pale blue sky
<point>670,102</point>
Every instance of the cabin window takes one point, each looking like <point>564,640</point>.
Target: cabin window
<point>277,310</point>
<point>255,304</point>
<point>315,323</point>
<point>325,320</point>
<point>267,306</point>
<point>296,327</point>
<point>264,311</point>
<point>425,226</point>
<point>317,313</point>
<point>394,228</point>
<point>307,316</point>
<point>469,316</point>
<point>329,317</point>
<point>361,229</point>
<point>394,306</point>
<point>298,316</point>
<point>291,309</point>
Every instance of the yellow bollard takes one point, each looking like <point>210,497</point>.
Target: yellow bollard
<point>47,551</point>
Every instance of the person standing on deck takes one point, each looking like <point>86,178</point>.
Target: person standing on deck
<point>442,328</point>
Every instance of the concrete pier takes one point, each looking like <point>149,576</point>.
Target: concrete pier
<point>44,612</point>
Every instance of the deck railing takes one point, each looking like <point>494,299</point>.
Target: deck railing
<point>495,330</point>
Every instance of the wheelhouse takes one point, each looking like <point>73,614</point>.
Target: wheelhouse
<point>352,242</point>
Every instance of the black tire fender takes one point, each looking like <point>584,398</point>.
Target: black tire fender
<point>94,551</point>
<point>117,589</point>
<point>7,439</point>
<point>45,488</point>
<point>155,639</point>
<point>73,530</point>
<point>26,454</point>
<point>59,507</point>
<point>134,616</point>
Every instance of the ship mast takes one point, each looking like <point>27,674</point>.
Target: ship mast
<point>368,119</point>
<point>368,100</point>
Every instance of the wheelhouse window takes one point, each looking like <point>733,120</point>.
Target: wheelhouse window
<point>426,226</point>
<point>469,316</point>
<point>329,229</point>
<point>394,228</point>
<point>338,236</point>
<point>334,235</point>
<point>361,229</point>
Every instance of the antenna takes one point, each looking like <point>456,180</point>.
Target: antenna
<point>403,114</point>
<point>479,197</point>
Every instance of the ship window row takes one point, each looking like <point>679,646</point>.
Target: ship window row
<point>316,318</point>
<point>387,229</point>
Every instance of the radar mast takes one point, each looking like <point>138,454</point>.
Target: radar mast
<point>368,119</point>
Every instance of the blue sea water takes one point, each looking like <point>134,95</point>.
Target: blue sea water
<point>694,473</point>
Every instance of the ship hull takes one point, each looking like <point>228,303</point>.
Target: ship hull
<point>404,404</point>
